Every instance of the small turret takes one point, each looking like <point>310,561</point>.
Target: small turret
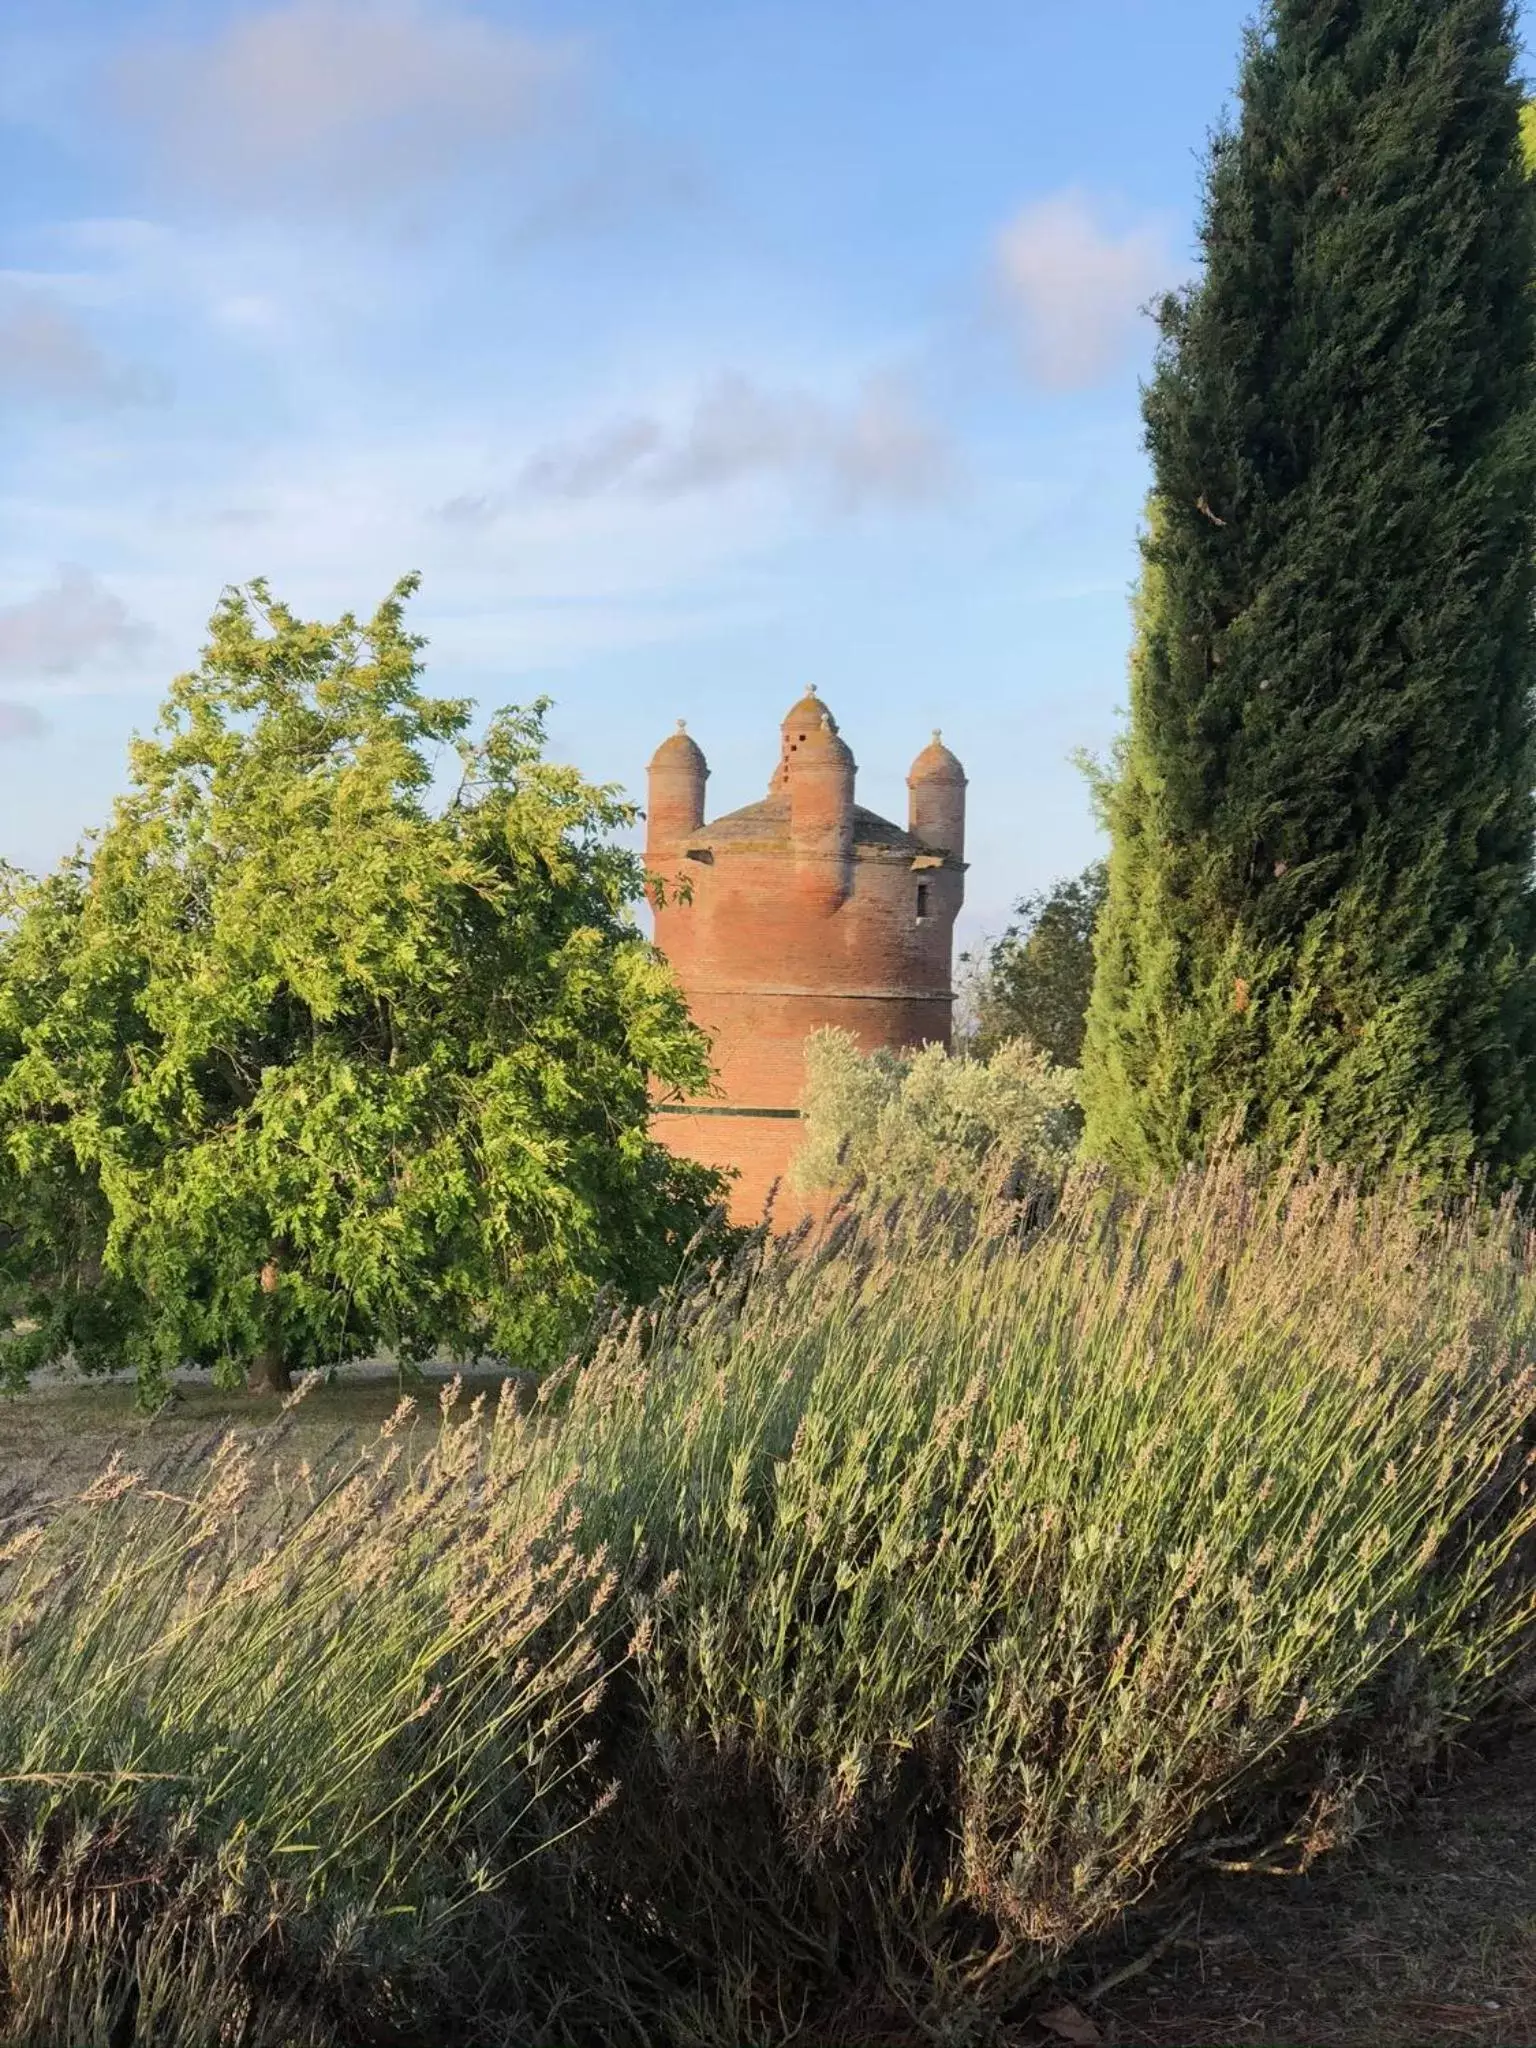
<point>818,770</point>
<point>797,725</point>
<point>675,799</point>
<point>936,800</point>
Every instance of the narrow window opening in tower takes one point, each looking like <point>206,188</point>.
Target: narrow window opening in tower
<point>922,901</point>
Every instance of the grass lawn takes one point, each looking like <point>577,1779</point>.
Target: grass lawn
<point>59,1434</point>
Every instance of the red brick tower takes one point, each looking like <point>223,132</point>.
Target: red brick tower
<point>799,911</point>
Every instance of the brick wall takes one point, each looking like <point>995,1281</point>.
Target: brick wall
<point>766,953</point>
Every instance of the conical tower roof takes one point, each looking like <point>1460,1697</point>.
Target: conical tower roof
<point>807,727</point>
<point>936,764</point>
<point>807,713</point>
<point>822,739</point>
<point>679,750</point>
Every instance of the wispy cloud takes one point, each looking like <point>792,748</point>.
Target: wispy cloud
<point>1075,288</point>
<point>511,584</point>
<point>20,722</point>
<point>879,448</point>
<point>469,511</point>
<point>48,354</point>
<point>338,100</point>
<point>66,627</point>
<point>625,183</point>
<point>611,455</point>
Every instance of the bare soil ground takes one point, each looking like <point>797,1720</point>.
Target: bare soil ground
<point>1423,1934</point>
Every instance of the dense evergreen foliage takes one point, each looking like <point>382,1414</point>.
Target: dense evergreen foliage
<point>1320,913</point>
<point>295,1064</point>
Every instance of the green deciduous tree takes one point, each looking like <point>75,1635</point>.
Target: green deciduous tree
<point>1035,981</point>
<point>297,1062</point>
<point>1320,911</point>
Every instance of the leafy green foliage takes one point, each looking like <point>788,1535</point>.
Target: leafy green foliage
<point>1036,980</point>
<point>295,1064</point>
<point>903,1123</point>
<point>1320,915</point>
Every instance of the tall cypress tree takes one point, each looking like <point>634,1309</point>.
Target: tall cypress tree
<point>1320,914</point>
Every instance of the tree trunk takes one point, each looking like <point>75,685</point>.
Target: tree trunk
<point>269,1368</point>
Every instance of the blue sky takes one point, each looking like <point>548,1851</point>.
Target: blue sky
<point>693,350</point>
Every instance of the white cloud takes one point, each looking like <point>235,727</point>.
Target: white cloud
<point>660,550</point>
<point>47,353</point>
<point>339,99</point>
<point>70,626</point>
<point>1076,289</point>
<point>284,288</point>
<point>877,448</point>
<point>332,519</point>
